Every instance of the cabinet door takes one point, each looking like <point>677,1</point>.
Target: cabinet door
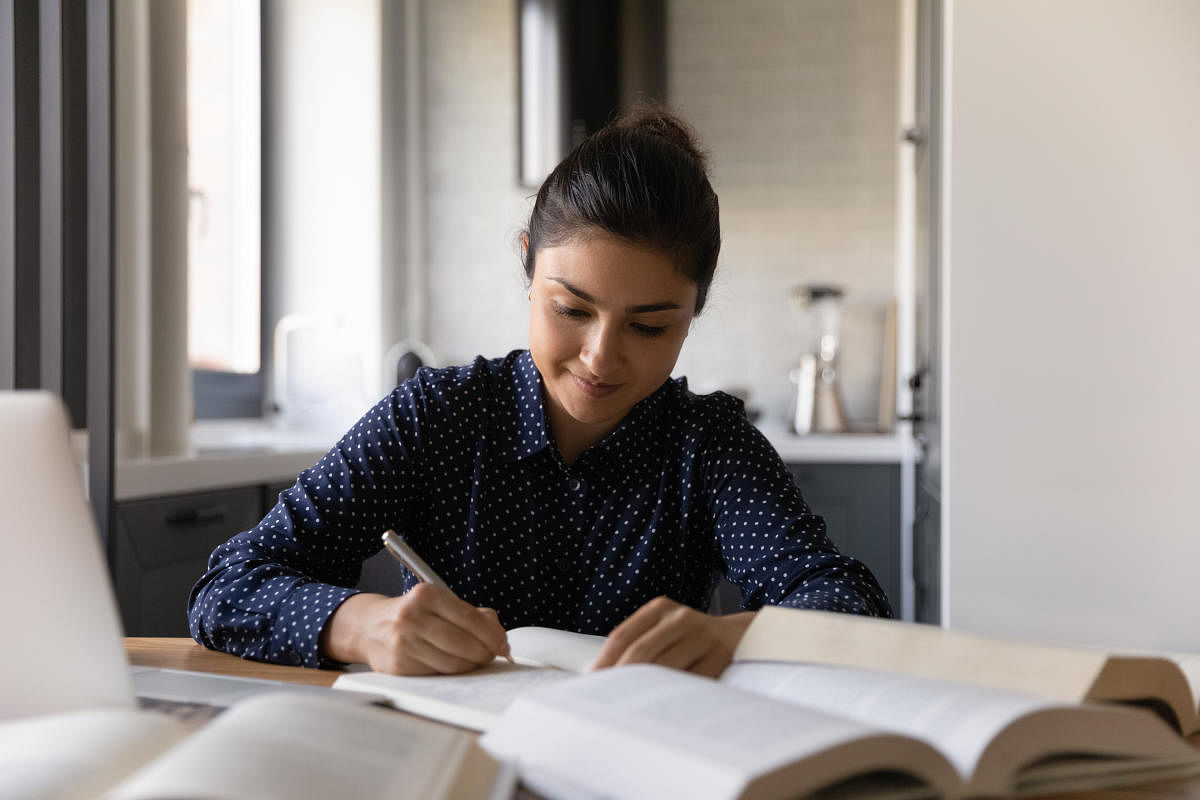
<point>162,548</point>
<point>861,507</point>
<point>927,555</point>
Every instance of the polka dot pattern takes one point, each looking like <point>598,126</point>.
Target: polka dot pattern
<point>460,461</point>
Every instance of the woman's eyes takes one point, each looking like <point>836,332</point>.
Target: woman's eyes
<point>648,331</point>
<point>567,311</point>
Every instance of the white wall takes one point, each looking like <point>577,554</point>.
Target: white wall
<point>796,103</point>
<point>324,198</point>
<point>1072,437</point>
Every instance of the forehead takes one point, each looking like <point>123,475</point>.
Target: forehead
<point>611,268</point>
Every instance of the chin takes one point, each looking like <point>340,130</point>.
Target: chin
<point>590,412</point>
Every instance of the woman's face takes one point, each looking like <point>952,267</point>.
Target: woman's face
<point>607,320</point>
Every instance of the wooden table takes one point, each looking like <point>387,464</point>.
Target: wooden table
<point>186,654</point>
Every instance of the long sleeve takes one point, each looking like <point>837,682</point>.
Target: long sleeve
<point>269,591</point>
<point>772,544</point>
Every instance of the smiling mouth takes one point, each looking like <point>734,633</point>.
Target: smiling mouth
<point>594,389</point>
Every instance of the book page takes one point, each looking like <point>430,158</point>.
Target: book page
<point>679,735</point>
<point>292,745</point>
<point>471,700</point>
<point>575,652</point>
<point>80,754</point>
<point>987,734</point>
<point>959,720</point>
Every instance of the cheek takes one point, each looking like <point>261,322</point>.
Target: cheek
<point>661,357</point>
<point>550,334</point>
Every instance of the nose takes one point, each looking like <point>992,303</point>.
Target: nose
<point>601,352</point>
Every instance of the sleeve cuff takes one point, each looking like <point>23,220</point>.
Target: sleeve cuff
<point>301,618</point>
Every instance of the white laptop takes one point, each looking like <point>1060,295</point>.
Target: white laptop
<point>63,647</point>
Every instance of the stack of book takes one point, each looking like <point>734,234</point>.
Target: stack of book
<point>815,704</point>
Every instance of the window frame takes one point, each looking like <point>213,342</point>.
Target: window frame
<point>222,394</point>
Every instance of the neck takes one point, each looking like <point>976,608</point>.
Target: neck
<point>572,436</point>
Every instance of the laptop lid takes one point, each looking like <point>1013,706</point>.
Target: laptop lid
<point>63,647</point>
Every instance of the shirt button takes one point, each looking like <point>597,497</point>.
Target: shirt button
<point>295,658</point>
<point>564,565</point>
<point>575,484</point>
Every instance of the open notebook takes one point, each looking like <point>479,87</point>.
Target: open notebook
<point>63,638</point>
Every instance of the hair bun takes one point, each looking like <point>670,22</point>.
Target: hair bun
<point>655,119</point>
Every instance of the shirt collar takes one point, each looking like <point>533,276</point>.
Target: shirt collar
<point>520,429</point>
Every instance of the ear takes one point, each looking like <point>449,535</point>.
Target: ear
<point>524,242</point>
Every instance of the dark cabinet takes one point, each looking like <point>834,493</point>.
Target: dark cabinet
<point>927,551</point>
<point>861,507</point>
<point>162,546</point>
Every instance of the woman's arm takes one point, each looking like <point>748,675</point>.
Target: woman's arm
<point>273,593</point>
<point>772,546</point>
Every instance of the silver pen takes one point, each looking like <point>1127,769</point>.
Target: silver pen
<point>401,551</point>
<point>409,558</point>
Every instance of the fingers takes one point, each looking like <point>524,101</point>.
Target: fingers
<point>672,635</point>
<point>429,630</point>
<point>629,633</point>
<point>660,632</point>
<point>712,663</point>
<point>481,623</point>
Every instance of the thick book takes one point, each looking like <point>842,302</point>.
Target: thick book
<point>773,731</point>
<point>984,740</point>
<point>276,745</point>
<point>1169,683</point>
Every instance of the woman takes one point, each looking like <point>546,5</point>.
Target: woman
<point>573,485</point>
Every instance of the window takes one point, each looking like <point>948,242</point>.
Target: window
<point>224,219</point>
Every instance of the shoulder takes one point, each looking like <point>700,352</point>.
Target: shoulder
<point>479,378</point>
<point>715,427</point>
<point>715,411</point>
<point>459,392</point>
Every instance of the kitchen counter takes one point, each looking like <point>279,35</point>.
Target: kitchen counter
<point>232,453</point>
<point>224,454</point>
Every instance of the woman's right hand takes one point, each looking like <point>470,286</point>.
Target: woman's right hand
<point>425,631</point>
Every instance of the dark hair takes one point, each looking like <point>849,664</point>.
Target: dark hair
<point>642,178</point>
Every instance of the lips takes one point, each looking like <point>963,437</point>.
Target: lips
<point>595,390</point>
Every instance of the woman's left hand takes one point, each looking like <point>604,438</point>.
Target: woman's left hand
<point>673,635</point>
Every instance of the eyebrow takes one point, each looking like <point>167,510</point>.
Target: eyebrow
<point>639,309</point>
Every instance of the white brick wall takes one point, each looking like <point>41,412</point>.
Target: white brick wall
<point>476,208</point>
<point>795,102</point>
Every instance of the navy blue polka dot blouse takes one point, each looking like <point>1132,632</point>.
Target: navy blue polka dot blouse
<point>460,461</point>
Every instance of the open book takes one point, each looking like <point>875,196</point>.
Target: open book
<point>1169,683</point>
<point>276,745</point>
<point>476,699</point>
<point>774,731</point>
<point>961,739</point>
